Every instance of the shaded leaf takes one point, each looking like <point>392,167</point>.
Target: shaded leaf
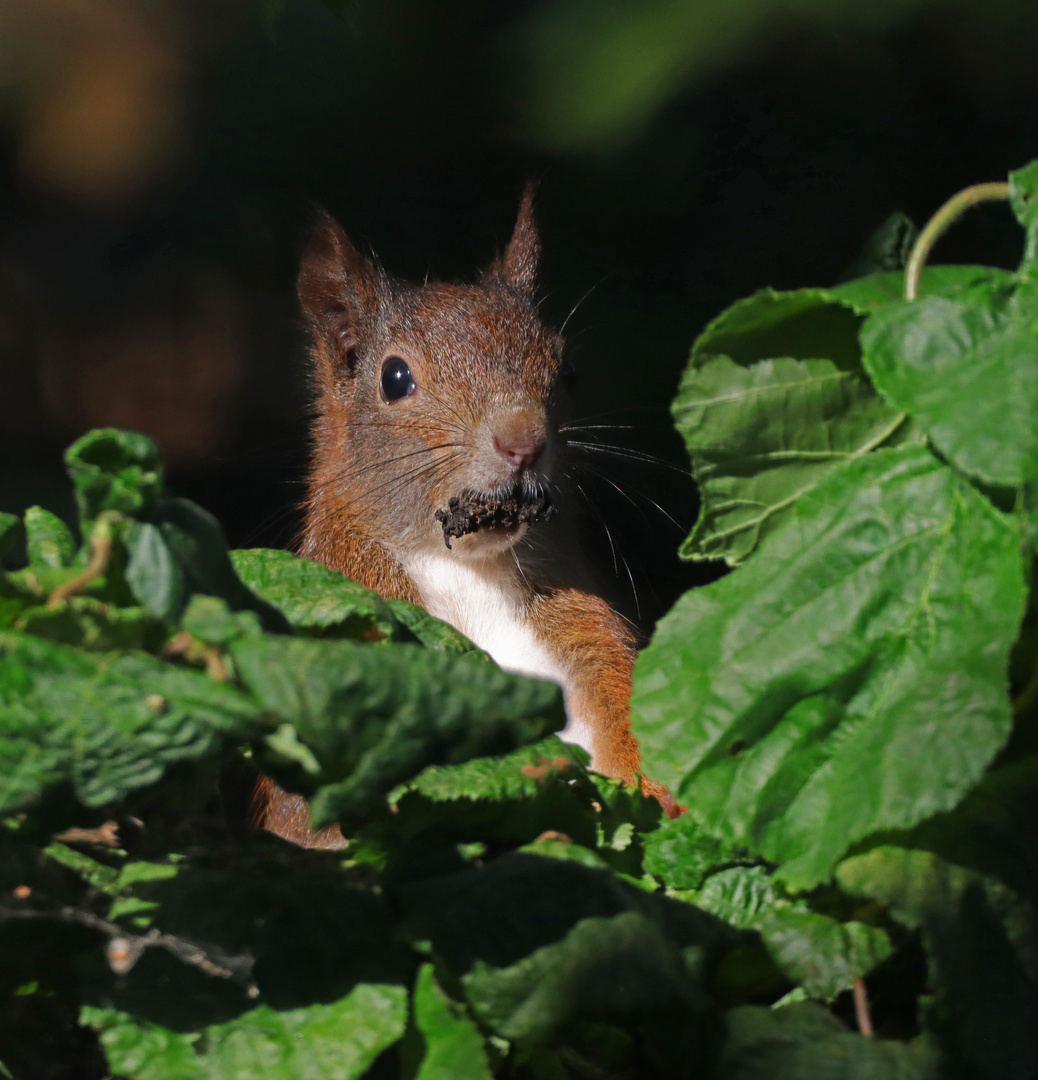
<point>379,716</point>
<point>605,968</point>
<point>12,531</point>
<point>804,1041</point>
<point>981,940</point>
<point>106,723</point>
<point>196,543</point>
<point>788,702</point>
<point>91,624</point>
<point>886,249</point>
<point>114,470</point>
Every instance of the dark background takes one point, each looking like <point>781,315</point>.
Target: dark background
<point>160,159</point>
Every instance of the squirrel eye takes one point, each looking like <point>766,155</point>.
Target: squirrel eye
<point>396,381</point>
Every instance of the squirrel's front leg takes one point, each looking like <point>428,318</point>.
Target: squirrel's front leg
<point>595,646</point>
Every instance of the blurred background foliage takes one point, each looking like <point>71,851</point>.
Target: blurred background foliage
<point>160,159</point>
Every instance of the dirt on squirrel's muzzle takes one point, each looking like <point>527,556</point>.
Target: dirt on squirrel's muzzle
<point>473,510</point>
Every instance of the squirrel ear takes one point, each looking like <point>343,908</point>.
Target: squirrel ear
<point>519,262</point>
<point>337,287</point>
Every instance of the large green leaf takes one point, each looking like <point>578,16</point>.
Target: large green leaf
<point>338,1041</point>
<point>981,938</point>
<point>852,677</point>
<point>376,717</point>
<point>773,400</point>
<point>107,724</point>
<point>762,436</point>
<point>966,368</point>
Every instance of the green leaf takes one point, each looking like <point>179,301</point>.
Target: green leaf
<point>980,937</point>
<point>48,539</point>
<point>605,968</point>
<point>817,952</point>
<point>109,724</point>
<point>788,702</point>
<point>338,1041</point>
<point>196,543</point>
<point>803,324</point>
<point>1023,186</point>
<point>683,853</point>
<point>376,717</point>
<point>210,620</point>
<point>540,942</point>
<point>966,368</point>
<point>867,294</point>
<point>821,954</point>
<point>774,399</point>
<point>11,531</point>
<point>514,775</point>
<point>454,1047</point>
<point>433,633</point>
<point>114,470</point>
<point>886,249</point>
<point>142,1050</point>
<point>311,596</point>
<point>91,624</point>
<point>152,573</point>
<point>806,1042</point>
<point>763,436</point>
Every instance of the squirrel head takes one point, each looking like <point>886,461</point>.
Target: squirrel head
<point>432,399</point>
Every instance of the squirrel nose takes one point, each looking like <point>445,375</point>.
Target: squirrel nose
<point>519,441</point>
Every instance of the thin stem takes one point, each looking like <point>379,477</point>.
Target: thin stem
<point>861,1009</point>
<point>951,211</point>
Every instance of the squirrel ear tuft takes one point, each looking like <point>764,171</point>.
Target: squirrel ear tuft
<point>337,287</point>
<point>519,262</point>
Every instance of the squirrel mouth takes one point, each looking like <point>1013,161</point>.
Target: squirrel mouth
<point>475,510</point>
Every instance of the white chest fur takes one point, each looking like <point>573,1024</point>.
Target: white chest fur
<point>482,601</point>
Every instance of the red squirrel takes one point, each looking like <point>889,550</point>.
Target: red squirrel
<point>439,476</point>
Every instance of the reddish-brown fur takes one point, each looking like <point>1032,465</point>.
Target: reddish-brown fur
<point>486,375</point>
